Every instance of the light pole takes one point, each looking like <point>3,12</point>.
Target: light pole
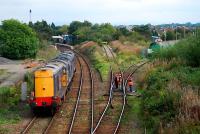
<point>183,31</point>
<point>30,15</point>
<point>176,33</point>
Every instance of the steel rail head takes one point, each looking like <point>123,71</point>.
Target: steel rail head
<point>92,91</point>
<point>108,103</point>
<point>49,125</point>
<point>77,101</point>
<point>124,98</point>
<point>29,125</point>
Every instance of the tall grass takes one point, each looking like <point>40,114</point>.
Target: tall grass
<point>170,101</point>
<point>29,78</point>
<point>187,50</point>
<point>9,96</point>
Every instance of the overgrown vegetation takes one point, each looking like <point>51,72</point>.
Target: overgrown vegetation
<point>9,99</point>
<point>47,53</point>
<point>170,100</point>
<point>98,59</point>
<point>186,50</point>
<point>29,78</point>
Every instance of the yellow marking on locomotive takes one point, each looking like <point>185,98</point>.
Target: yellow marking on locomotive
<point>44,86</point>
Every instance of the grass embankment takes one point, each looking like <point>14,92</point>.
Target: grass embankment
<point>9,111</point>
<point>170,99</point>
<point>97,58</point>
<point>47,52</point>
<point>126,55</point>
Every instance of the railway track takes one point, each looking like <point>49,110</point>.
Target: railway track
<point>134,67</point>
<point>45,124</point>
<point>82,121</point>
<point>126,75</point>
<point>106,122</point>
<point>82,118</point>
<point>64,116</point>
<point>79,110</point>
<point>38,125</point>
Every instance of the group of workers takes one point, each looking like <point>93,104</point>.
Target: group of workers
<point>118,83</point>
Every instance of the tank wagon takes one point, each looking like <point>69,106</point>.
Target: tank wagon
<point>52,81</point>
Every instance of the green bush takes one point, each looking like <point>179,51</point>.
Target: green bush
<point>9,96</point>
<point>85,31</point>
<point>157,103</point>
<point>17,40</point>
<point>29,78</point>
<point>190,128</point>
<point>188,50</point>
<point>10,115</point>
<point>99,61</point>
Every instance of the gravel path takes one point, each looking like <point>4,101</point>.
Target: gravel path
<point>14,72</point>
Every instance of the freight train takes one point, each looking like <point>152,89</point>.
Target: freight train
<point>52,81</point>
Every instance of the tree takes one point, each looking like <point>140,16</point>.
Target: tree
<point>170,35</point>
<point>86,31</point>
<point>75,25</point>
<point>63,29</point>
<point>17,40</point>
<point>53,26</point>
<point>43,30</point>
<point>143,30</point>
<point>124,31</point>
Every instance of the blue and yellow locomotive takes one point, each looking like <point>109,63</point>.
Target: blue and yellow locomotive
<point>52,80</point>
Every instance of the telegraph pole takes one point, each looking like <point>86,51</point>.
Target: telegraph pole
<point>165,34</point>
<point>30,19</point>
<point>176,33</point>
<point>184,32</point>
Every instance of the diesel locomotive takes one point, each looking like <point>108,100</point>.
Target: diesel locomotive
<point>51,82</point>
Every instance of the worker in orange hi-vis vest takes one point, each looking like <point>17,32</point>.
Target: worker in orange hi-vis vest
<point>131,85</point>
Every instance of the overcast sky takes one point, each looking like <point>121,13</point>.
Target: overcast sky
<point>101,11</point>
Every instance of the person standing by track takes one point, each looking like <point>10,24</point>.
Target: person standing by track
<point>131,85</point>
<point>118,81</point>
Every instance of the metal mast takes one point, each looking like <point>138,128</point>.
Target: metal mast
<point>30,19</point>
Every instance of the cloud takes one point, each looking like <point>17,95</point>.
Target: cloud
<point>114,11</point>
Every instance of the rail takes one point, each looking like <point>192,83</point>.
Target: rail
<point>108,103</point>
<point>77,101</point>
<point>124,91</point>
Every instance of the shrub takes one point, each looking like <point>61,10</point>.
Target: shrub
<point>158,105</point>
<point>187,50</point>
<point>29,78</point>
<point>17,40</point>
<point>9,96</point>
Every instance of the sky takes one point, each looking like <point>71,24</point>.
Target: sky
<point>116,12</point>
